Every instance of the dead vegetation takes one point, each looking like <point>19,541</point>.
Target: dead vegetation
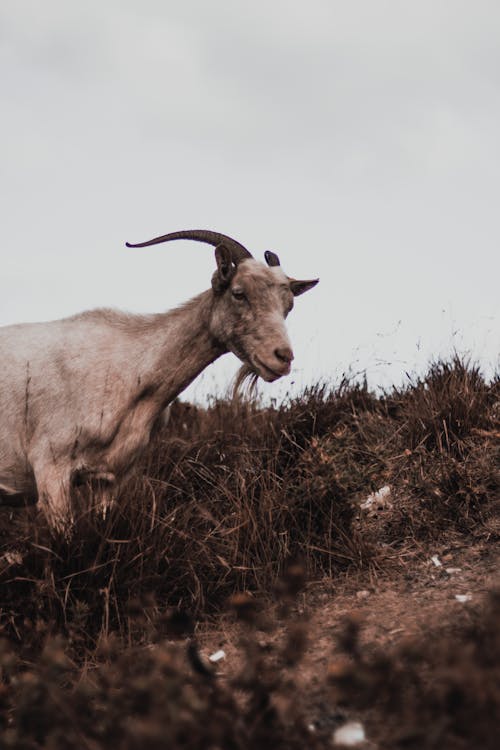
<point>443,692</point>
<point>224,500</point>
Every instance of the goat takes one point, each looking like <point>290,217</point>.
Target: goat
<point>80,397</point>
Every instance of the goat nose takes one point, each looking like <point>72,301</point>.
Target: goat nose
<point>284,354</point>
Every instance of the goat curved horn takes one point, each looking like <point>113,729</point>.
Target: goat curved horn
<point>238,251</point>
<point>271,258</point>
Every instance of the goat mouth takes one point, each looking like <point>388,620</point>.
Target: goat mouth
<point>267,373</point>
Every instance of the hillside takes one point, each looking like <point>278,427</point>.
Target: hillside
<point>248,529</point>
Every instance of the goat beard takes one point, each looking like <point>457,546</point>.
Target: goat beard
<point>245,382</point>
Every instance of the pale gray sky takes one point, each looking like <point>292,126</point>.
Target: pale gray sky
<point>358,139</point>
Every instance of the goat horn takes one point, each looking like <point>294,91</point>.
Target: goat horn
<point>238,252</point>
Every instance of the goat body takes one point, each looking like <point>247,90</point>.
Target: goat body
<point>81,396</point>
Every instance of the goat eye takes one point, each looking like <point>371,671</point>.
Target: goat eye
<point>238,294</point>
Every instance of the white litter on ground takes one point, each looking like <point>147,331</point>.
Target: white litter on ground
<point>364,594</point>
<point>378,500</point>
<point>462,598</point>
<point>349,734</point>
<point>437,562</point>
<point>217,656</point>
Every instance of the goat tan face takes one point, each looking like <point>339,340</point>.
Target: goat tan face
<point>250,318</point>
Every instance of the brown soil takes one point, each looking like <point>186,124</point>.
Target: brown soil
<point>411,601</point>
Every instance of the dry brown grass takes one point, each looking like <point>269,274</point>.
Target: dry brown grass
<point>225,498</point>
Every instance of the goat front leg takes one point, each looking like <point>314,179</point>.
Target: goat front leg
<point>54,496</point>
<point>104,486</point>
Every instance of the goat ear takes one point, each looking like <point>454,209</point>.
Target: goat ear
<point>225,268</point>
<point>299,287</point>
<point>271,258</point>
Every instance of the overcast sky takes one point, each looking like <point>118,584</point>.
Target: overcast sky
<point>358,139</point>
